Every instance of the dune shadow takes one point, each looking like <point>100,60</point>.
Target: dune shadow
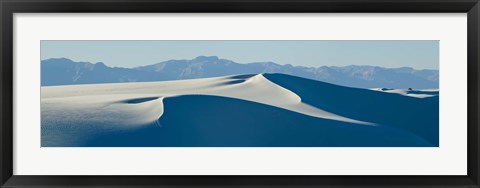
<point>212,121</point>
<point>435,93</point>
<point>417,115</point>
<point>238,79</point>
<point>139,100</point>
<point>231,82</point>
<point>386,89</point>
<point>244,76</point>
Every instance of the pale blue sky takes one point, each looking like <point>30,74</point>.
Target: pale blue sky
<point>416,54</point>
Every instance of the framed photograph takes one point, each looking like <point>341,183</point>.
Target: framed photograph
<point>206,93</point>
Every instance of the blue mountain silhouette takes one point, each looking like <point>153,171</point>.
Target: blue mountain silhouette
<point>63,71</point>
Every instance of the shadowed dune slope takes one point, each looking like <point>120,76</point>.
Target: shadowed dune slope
<point>213,121</point>
<point>416,115</point>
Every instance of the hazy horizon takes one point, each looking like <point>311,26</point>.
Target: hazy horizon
<point>313,53</point>
<point>140,65</point>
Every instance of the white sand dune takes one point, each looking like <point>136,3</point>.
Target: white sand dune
<point>75,115</point>
<point>424,93</point>
<point>254,88</point>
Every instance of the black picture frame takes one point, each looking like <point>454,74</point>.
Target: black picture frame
<point>9,7</point>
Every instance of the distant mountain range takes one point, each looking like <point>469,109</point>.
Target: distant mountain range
<point>62,71</point>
